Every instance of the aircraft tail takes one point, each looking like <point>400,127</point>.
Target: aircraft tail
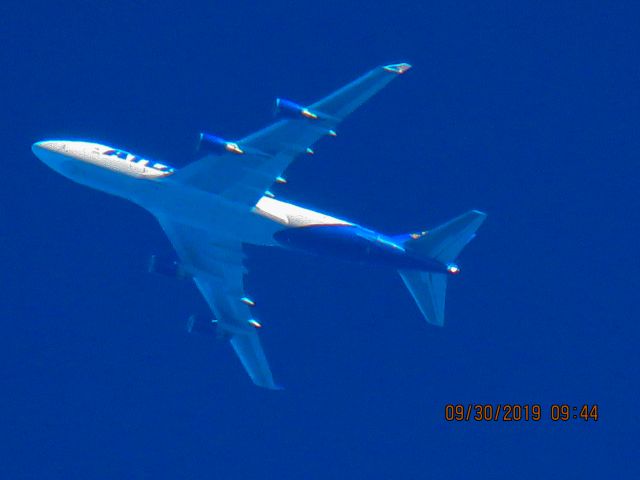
<point>444,244</point>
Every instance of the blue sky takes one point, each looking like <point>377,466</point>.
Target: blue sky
<point>526,111</point>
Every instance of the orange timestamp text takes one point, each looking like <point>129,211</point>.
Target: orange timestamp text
<point>516,412</point>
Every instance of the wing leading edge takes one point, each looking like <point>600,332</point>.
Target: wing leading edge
<point>244,174</point>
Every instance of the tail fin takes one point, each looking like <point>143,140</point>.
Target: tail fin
<point>443,243</point>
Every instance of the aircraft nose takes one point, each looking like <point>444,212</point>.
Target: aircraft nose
<point>46,146</point>
<point>51,152</point>
<point>38,147</point>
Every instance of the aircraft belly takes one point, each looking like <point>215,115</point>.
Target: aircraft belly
<point>353,243</point>
<point>99,178</point>
<point>338,241</point>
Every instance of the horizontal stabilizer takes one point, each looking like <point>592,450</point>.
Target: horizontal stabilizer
<point>428,290</point>
<point>445,242</point>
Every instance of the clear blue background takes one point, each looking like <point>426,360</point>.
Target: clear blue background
<point>526,110</point>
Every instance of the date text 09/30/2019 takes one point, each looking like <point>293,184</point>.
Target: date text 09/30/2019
<point>514,412</point>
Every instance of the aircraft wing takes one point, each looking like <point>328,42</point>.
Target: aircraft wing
<point>216,265</point>
<point>244,170</point>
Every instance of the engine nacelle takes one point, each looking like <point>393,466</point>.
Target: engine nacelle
<point>453,269</point>
<point>167,267</point>
<point>202,325</point>
<point>288,108</point>
<point>218,145</point>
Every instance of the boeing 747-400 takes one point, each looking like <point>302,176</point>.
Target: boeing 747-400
<point>213,206</point>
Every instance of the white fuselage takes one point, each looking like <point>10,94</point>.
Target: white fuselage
<point>149,185</point>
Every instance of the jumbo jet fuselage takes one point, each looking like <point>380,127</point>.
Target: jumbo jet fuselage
<point>271,222</point>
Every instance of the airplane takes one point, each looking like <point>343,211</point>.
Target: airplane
<point>213,206</point>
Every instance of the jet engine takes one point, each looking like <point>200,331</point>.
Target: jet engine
<point>218,145</point>
<point>288,108</point>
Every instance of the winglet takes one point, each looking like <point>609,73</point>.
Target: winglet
<point>398,68</point>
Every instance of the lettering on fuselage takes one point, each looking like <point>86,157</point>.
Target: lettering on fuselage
<point>125,162</point>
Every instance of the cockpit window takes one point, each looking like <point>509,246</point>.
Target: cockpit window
<point>109,152</point>
<point>122,155</point>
